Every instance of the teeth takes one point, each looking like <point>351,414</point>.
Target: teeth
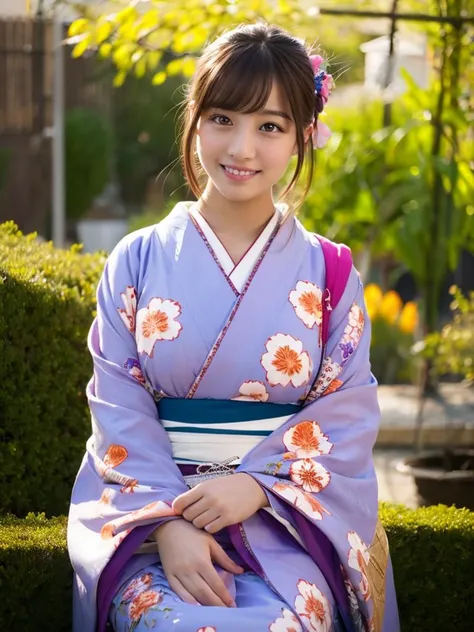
<point>235,172</point>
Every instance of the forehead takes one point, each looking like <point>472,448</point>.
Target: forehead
<point>277,99</point>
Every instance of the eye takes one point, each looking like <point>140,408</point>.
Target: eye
<point>220,119</point>
<point>271,127</point>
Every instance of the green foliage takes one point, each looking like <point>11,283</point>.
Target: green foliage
<point>452,349</point>
<point>88,151</point>
<point>145,140</point>
<point>47,298</point>
<point>432,553</point>
<point>137,40</point>
<point>35,574</point>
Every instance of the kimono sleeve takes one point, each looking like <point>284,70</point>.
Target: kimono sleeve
<point>320,462</point>
<point>128,475</point>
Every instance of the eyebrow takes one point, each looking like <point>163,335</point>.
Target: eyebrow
<point>277,113</point>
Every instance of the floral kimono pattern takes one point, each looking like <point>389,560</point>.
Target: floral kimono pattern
<point>170,325</point>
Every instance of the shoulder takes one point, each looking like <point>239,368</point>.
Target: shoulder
<point>133,249</point>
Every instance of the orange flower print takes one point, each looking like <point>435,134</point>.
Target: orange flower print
<point>307,440</point>
<point>307,300</point>
<point>157,509</point>
<point>309,475</point>
<point>358,560</point>
<point>333,387</point>
<point>106,498</point>
<point>328,374</point>
<point>138,585</point>
<point>313,607</point>
<point>128,315</point>
<point>252,392</point>
<point>157,322</point>
<point>129,488</point>
<point>285,361</point>
<point>143,602</point>
<point>301,500</point>
<point>287,623</point>
<point>115,455</point>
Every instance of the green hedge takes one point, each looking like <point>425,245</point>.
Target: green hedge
<point>47,298</point>
<point>432,552</point>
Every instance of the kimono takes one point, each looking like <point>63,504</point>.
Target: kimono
<point>198,360</point>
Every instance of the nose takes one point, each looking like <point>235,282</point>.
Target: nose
<point>242,143</point>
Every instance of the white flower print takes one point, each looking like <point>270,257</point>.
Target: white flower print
<point>301,500</point>
<point>252,392</point>
<point>287,623</point>
<point>358,560</point>
<point>157,322</point>
<point>128,315</point>
<point>207,628</point>
<point>327,377</point>
<point>285,361</point>
<point>352,332</point>
<point>106,498</point>
<point>313,607</point>
<point>306,440</point>
<point>307,299</point>
<point>309,475</point>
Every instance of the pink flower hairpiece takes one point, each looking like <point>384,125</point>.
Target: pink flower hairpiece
<point>323,85</point>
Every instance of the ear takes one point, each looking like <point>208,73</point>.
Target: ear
<point>307,135</point>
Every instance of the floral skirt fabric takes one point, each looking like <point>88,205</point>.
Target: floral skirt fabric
<point>146,602</point>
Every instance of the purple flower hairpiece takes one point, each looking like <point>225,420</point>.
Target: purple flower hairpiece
<point>323,86</point>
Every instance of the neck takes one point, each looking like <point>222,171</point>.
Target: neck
<point>242,220</point>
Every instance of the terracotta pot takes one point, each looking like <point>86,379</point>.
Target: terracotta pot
<point>438,485</point>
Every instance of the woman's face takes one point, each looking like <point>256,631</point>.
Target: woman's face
<point>245,155</point>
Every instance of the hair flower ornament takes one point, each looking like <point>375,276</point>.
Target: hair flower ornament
<point>323,86</point>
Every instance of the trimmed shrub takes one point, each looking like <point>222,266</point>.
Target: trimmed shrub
<point>47,298</point>
<point>432,552</point>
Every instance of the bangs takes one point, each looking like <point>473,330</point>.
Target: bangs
<point>243,83</point>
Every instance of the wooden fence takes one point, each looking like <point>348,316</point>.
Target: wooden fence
<point>26,87</point>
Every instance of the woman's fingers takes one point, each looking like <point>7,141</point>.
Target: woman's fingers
<point>205,518</point>
<point>215,526</point>
<point>181,591</point>
<point>200,589</point>
<point>194,510</point>
<point>212,579</point>
<point>219,556</point>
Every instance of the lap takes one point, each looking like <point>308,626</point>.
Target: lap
<point>146,601</point>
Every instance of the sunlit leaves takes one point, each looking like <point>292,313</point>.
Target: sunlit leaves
<point>136,39</point>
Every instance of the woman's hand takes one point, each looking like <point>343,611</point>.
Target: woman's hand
<point>221,502</point>
<point>186,554</point>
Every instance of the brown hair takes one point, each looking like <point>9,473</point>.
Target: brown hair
<point>236,72</point>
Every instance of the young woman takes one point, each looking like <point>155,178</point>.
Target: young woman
<point>230,336</point>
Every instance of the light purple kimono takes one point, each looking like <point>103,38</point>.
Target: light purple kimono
<point>171,324</point>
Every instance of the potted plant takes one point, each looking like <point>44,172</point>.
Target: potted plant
<point>447,475</point>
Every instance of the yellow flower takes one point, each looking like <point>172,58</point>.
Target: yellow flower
<point>408,318</point>
<point>390,307</point>
<point>373,297</point>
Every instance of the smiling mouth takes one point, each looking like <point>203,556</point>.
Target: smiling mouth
<point>239,172</point>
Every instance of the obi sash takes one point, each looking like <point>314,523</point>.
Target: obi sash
<point>218,430</point>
